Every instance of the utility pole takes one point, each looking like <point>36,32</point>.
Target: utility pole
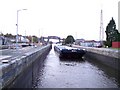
<point>39,37</point>
<point>101,35</point>
<point>119,16</point>
<point>76,35</point>
<point>25,37</point>
<point>17,37</point>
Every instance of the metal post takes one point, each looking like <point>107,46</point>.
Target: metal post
<point>17,28</point>
<point>32,41</point>
<point>25,37</point>
<point>17,31</point>
<point>101,29</point>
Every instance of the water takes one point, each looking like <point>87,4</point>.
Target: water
<point>80,73</point>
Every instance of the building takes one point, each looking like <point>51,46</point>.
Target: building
<point>115,44</point>
<point>78,41</point>
<point>23,39</point>
<point>1,40</point>
<point>5,41</point>
<point>88,43</point>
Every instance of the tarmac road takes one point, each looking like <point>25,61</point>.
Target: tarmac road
<point>9,54</point>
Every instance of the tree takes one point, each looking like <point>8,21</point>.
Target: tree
<point>29,38</point>
<point>10,36</point>
<point>1,34</point>
<point>35,39</point>
<point>69,39</point>
<point>112,33</point>
<point>63,42</point>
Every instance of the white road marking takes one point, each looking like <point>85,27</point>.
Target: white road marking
<point>3,57</point>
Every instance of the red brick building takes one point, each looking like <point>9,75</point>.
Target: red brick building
<point>116,44</point>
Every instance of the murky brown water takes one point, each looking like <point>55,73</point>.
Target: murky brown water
<point>58,73</point>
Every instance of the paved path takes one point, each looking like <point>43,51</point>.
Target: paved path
<point>10,54</point>
<point>104,51</point>
<point>109,49</point>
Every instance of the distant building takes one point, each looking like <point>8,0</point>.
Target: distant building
<point>78,41</point>
<point>5,41</point>
<point>88,43</point>
<point>12,40</point>
<point>116,44</point>
<point>1,40</point>
<point>8,41</point>
<point>23,39</point>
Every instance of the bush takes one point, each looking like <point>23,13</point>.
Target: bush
<point>108,43</point>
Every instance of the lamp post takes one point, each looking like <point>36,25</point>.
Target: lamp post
<point>17,28</point>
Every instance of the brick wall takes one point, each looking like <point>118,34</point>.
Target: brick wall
<point>116,44</point>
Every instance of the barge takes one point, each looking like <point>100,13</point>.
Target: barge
<point>69,52</point>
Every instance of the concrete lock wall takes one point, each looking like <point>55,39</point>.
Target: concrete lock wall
<point>22,72</point>
<point>105,56</point>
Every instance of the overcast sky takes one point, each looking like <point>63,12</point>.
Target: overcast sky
<point>80,18</point>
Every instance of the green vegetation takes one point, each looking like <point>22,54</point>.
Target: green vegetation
<point>112,33</point>
<point>116,48</point>
<point>69,39</point>
<point>8,35</point>
<point>33,39</point>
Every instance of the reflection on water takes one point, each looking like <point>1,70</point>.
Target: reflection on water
<point>79,73</point>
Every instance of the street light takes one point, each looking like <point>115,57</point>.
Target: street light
<point>17,27</point>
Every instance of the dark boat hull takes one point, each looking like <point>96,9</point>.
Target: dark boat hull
<point>69,53</point>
